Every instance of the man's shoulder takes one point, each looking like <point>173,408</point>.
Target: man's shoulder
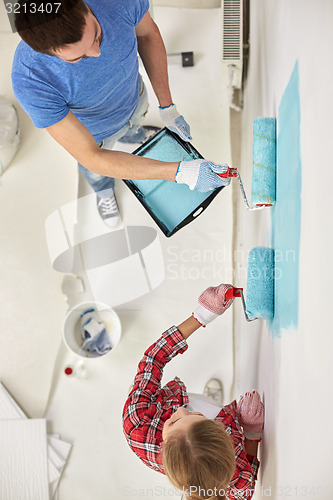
<point>106,5</point>
<point>130,10</point>
<point>34,66</point>
<point>23,53</point>
<point>25,59</point>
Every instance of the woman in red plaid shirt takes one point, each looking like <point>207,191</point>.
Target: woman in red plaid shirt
<point>208,456</point>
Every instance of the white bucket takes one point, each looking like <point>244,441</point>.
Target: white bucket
<point>72,328</point>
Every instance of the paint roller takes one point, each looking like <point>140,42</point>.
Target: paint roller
<point>264,165</point>
<point>260,285</point>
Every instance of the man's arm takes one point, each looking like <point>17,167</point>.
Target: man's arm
<point>152,52</point>
<point>72,135</point>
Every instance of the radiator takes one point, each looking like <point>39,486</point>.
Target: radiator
<point>232,48</point>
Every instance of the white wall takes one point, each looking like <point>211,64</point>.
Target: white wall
<point>293,372</point>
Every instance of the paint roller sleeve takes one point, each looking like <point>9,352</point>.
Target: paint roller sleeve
<point>264,161</point>
<point>260,283</point>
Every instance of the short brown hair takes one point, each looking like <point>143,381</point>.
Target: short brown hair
<point>46,32</point>
<point>201,460</point>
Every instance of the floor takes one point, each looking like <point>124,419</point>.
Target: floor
<point>86,409</point>
<point>292,369</point>
<point>31,301</point>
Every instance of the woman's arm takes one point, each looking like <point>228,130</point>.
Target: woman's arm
<point>189,326</point>
<point>251,447</point>
<point>147,382</point>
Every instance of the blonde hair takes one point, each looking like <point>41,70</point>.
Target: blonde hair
<point>201,461</point>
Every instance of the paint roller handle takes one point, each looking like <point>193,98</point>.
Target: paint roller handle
<point>231,172</point>
<point>233,292</point>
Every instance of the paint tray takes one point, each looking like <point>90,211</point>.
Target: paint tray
<point>171,205</point>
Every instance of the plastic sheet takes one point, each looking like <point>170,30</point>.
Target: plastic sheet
<point>9,133</point>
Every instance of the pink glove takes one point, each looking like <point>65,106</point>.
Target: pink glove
<point>250,411</point>
<point>212,303</point>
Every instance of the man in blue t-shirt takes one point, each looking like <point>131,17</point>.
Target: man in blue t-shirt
<point>76,74</point>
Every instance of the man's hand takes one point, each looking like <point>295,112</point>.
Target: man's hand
<point>201,175</point>
<point>175,122</point>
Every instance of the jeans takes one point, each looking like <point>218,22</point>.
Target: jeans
<point>132,130</point>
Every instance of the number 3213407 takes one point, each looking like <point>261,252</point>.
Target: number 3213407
<point>32,8</point>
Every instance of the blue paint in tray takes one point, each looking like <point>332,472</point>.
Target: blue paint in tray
<point>169,202</point>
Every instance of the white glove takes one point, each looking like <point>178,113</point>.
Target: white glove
<point>251,415</point>
<point>212,303</point>
<point>175,122</point>
<point>201,175</point>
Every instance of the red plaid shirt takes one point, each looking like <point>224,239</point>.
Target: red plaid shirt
<point>148,407</point>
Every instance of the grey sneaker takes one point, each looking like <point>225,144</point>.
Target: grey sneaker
<point>108,209</point>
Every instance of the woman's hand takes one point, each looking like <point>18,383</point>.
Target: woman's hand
<point>251,412</point>
<point>212,303</point>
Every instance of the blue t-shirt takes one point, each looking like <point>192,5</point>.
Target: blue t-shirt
<point>102,92</point>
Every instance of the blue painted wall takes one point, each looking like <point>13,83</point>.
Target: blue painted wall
<point>286,214</point>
